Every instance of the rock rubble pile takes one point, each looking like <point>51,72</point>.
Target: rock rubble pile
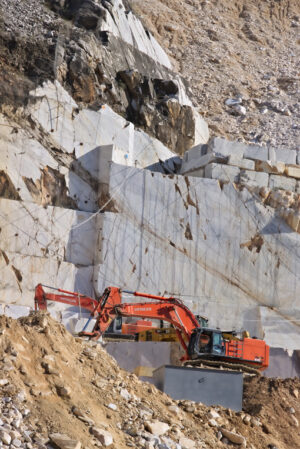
<point>241,59</point>
<point>58,391</point>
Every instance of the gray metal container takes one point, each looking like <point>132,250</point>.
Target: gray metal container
<point>209,386</point>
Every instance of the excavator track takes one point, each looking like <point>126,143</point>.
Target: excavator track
<point>202,363</point>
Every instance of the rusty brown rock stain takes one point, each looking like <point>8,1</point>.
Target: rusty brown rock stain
<point>17,273</point>
<point>187,181</point>
<point>188,233</point>
<point>7,189</point>
<point>255,243</point>
<point>133,265</point>
<point>189,201</point>
<point>177,189</point>
<point>192,203</point>
<point>106,203</point>
<point>5,257</point>
<point>50,189</point>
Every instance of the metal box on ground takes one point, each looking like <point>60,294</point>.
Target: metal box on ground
<point>209,386</point>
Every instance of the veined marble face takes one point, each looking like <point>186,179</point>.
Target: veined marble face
<point>218,248</point>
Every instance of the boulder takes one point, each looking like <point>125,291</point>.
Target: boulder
<point>103,436</point>
<point>186,443</point>
<point>234,437</point>
<point>5,437</point>
<point>212,422</point>
<point>63,391</point>
<point>157,427</point>
<point>64,441</point>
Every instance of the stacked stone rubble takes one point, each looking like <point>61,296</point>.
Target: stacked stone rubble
<point>237,162</point>
<point>255,167</point>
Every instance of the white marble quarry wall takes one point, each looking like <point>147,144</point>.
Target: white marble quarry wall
<point>219,249</point>
<point>55,244</point>
<point>20,274</point>
<point>81,131</point>
<point>126,25</point>
<point>53,232</point>
<point>44,245</point>
<point>283,364</point>
<point>225,253</point>
<point>21,156</point>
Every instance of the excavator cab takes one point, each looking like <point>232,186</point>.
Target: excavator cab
<point>206,341</point>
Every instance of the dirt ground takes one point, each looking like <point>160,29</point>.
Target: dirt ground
<point>61,374</point>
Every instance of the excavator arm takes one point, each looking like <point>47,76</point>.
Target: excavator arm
<point>168,309</point>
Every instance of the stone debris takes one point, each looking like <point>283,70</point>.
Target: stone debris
<point>234,437</point>
<point>125,394</point>
<point>112,407</point>
<point>213,423</point>
<point>296,393</point>
<point>295,421</point>
<point>82,416</point>
<point>156,427</point>
<point>63,391</point>
<point>239,109</point>
<point>103,436</point>
<point>233,101</point>
<point>214,414</point>
<point>64,442</point>
<point>253,66</point>
<point>5,437</point>
<point>146,419</point>
<point>187,443</point>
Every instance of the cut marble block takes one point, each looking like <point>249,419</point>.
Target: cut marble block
<point>224,173</point>
<point>282,182</point>
<point>282,155</point>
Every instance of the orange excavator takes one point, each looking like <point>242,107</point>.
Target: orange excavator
<point>201,345</point>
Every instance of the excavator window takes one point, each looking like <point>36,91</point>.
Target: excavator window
<point>115,326</point>
<point>218,344</point>
<point>210,342</point>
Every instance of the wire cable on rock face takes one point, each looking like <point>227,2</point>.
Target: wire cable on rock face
<point>116,190</point>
